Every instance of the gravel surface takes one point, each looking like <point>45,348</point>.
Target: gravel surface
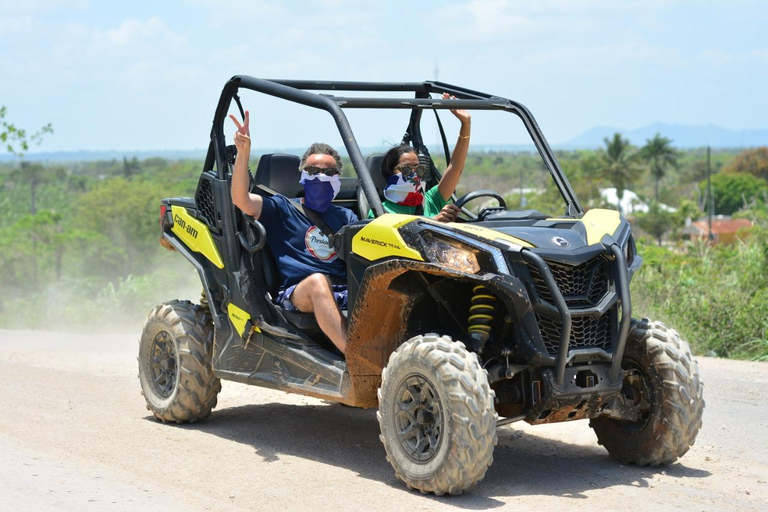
<point>75,435</point>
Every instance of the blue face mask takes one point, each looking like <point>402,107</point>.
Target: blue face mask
<point>319,190</point>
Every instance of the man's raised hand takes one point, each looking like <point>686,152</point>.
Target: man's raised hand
<point>243,133</point>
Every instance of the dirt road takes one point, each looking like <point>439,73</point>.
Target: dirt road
<point>75,435</point>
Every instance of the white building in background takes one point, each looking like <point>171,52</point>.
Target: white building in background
<point>630,202</point>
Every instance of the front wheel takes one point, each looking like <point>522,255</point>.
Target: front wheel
<point>175,362</point>
<point>662,399</point>
<point>436,415</point>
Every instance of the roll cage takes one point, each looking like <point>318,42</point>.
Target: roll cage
<point>302,92</point>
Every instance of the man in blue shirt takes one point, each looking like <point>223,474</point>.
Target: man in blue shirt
<point>306,261</point>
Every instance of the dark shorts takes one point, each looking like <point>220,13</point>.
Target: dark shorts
<point>284,297</point>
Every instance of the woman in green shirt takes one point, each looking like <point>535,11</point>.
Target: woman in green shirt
<point>404,174</point>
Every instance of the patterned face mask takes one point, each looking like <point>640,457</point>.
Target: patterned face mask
<point>405,191</point>
<point>319,190</point>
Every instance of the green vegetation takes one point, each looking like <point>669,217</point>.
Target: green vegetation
<point>733,191</point>
<point>659,155</point>
<point>89,257</point>
<point>79,249</point>
<point>716,296</point>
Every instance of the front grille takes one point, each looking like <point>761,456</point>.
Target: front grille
<point>586,332</point>
<point>582,285</point>
<point>204,202</point>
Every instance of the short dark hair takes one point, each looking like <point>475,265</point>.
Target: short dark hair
<point>392,157</point>
<point>321,148</point>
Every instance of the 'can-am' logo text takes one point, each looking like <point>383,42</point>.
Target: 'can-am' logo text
<point>184,226</point>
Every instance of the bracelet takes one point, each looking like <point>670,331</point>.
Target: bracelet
<point>463,136</point>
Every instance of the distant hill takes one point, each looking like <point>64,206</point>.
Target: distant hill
<point>682,136</point>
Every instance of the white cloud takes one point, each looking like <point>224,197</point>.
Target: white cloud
<point>256,15</point>
<point>483,20</point>
<point>232,54</point>
<point>16,25</point>
<point>716,57</point>
<point>37,7</point>
<point>502,20</point>
<point>760,55</point>
<point>729,59</point>
<point>137,33</point>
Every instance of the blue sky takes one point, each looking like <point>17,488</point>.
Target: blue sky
<point>146,75</point>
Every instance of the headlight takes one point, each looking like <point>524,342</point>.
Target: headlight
<point>451,254</point>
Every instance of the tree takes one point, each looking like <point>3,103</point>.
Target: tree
<point>734,191</point>
<point>659,154</point>
<point>751,161</point>
<point>16,142</point>
<point>130,167</point>
<point>31,237</point>
<point>687,210</point>
<point>583,169</point>
<point>656,221</point>
<point>36,175</point>
<point>124,214</point>
<point>619,164</point>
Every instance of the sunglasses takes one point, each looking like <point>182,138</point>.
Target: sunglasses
<point>313,169</point>
<point>420,170</point>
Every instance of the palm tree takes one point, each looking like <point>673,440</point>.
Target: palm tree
<point>659,154</point>
<point>619,164</point>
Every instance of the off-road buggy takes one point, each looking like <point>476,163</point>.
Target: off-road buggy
<point>454,329</point>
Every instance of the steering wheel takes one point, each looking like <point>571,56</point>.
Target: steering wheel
<point>471,196</point>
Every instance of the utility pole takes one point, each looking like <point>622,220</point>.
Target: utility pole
<point>438,139</point>
<point>710,198</point>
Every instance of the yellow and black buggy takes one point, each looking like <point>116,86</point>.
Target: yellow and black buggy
<point>454,329</point>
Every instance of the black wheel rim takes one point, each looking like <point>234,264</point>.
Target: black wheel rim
<point>418,418</point>
<point>637,389</point>
<point>163,354</point>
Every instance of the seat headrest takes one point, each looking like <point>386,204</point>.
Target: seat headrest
<point>280,172</point>
<point>373,163</point>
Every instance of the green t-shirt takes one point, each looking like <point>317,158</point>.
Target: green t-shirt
<point>433,203</point>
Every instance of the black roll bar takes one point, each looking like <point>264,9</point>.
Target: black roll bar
<point>298,91</point>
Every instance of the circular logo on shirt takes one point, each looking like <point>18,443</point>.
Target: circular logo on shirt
<point>317,244</point>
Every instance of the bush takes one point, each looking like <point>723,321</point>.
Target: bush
<point>716,296</point>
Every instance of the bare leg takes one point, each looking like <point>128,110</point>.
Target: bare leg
<point>314,294</point>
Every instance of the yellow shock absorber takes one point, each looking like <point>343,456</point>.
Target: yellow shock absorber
<point>481,315</point>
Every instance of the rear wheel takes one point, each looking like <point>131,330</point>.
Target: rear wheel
<point>662,399</point>
<point>436,414</point>
<point>175,362</point>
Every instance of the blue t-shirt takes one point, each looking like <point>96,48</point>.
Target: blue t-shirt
<point>299,247</point>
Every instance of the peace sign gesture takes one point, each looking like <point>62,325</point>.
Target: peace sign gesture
<point>243,133</point>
